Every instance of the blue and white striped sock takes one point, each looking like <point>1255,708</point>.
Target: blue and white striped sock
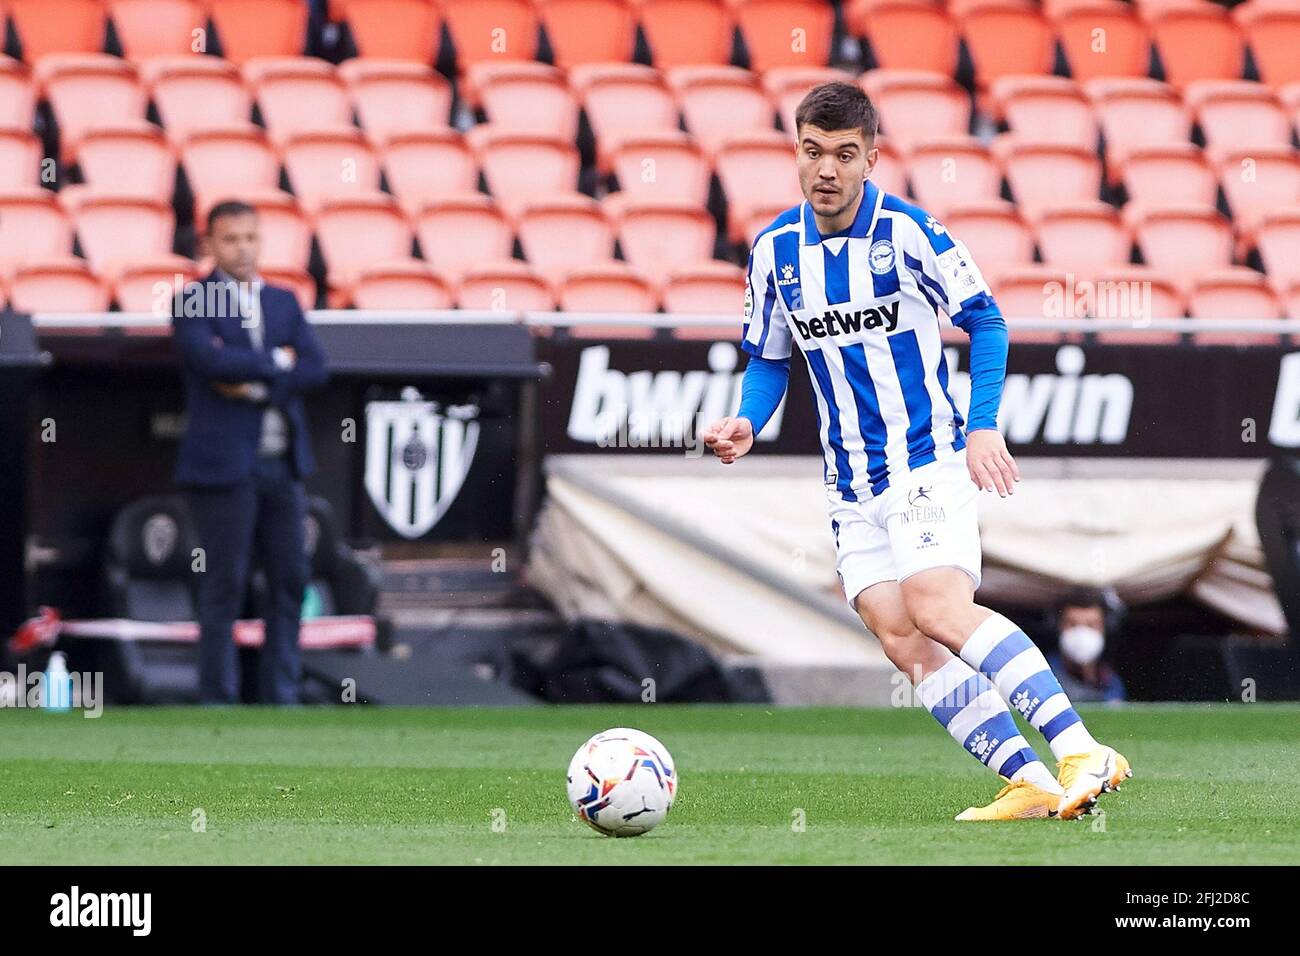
<point>970,709</point>
<point>1004,654</point>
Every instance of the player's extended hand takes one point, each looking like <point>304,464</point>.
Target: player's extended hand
<point>989,463</point>
<point>235,390</point>
<point>729,438</point>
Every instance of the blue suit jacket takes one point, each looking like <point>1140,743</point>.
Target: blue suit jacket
<point>222,435</point>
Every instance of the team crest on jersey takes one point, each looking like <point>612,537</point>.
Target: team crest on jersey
<point>881,257</point>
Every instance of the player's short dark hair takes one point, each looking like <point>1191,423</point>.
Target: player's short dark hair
<point>228,207</point>
<point>839,106</point>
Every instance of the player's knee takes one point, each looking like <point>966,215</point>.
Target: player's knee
<point>940,620</point>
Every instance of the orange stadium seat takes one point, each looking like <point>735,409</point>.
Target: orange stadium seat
<point>1198,42</point>
<point>111,228</point>
<point>298,94</point>
<point>1126,50</point>
<point>253,28</point>
<point>1277,239</point>
<point>994,232</point>
<point>788,85</point>
<point>400,284</point>
<point>1237,114</point>
<point>88,90</point>
<point>1045,109</point>
<point>133,158</point>
<point>57,285</point>
<point>392,97</point>
<point>910,36</point>
<point>687,32</point>
<point>57,26</point>
<point>1136,294</point>
<point>563,232</point>
<point>1184,240</point>
<point>756,171</point>
<point>666,165</point>
<point>1082,237</point>
<point>620,100</point>
<point>330,163</point>
<point>612,287</point>
<point>32,224</point>
<point>1235,293</point>
<point>520,167</point>
<point>890,171</point>
<point>505,286</point>
<point>786,32</point>
<point>1273,32</point>
<point>1173,173</point>
<point>491,30</point>
<point>20,159</point>
<point>196,93</point>
<point>588,31</point>
<point>719,102</point>
<point>1035,292</point>
<point>1006,38</point>
<point>358,231</point>
<point>425,165</point>
<point>707,287</point>
<point>395,29</point>
<point>1136,113</point>
<point>459,232</point>
<point>1291,300</point>
<point>296,281</point>
<point>951,170</point>
<point>228,160</point>
<point>525,97</point>
<point>17,94</point>
<point>915,105</point>
<point>1289,95</point>
<point>286,232</point>
<point>1043,173</point>
<point>136,283</point>
<point>148,28</point>
<point>1256,181</point>
<point>657,236</point>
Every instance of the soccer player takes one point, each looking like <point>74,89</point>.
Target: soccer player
<point>857,277</point>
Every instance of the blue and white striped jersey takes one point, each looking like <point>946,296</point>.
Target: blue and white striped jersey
<point>864,305</point>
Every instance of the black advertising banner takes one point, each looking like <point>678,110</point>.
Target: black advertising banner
<point>1059,400</point>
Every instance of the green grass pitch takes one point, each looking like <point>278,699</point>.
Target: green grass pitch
<point>355,785</point>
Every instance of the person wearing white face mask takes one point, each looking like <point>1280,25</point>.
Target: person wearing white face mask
<point>1081,625</point>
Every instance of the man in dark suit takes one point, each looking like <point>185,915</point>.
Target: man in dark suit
<point>247,355</point>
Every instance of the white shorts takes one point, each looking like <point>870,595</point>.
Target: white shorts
<point>927,518</point>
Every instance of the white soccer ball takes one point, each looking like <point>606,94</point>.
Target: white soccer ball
<point>622,782</point>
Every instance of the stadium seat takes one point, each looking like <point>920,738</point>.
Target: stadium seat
<point>286,232</point>
<point>358,231</point>
<point>525,97</point>
<point>1136,294</point>
<point>687,32</point>
<point>395,29</point>
<point>195,93</point>
<point>786,32</point>
<point>1256,181</point>
<point>400,284</point>
<point>952,170</point>
<point>149,28</point>
<point>658,236</point>
<point>1127,47</point>
<point>1136,113</point>
<point>1043,173</point>
<point>392,97</point>
<point>57,26</point>
<point>421,166</point>
<point>1237,115</point>
<point>459,232</point>
<point>890,171</point>
<point>1277,239</point>
<point>1184,240</point>
<point>89,90</point>
<point>135,283</point>
<point>1035,292</point>
<point>788,85</point>
<point>718,102</point>
<point>665,165</point>
<point>1082,237</point>
<point>756,171</point>
<point>911,36</point>
<point>519,167</point>
<point>296,281</point>
<point>491,30</point>
<point>1044,109</point>
<point>253,28</point>
<point>321,164</point>
<point>915,105</point>
<point>612,287</point>
<point>57,285</point>
<point>1173,173</point>
<point>17,94</point>
<point>621,100</point>
<point>32,225</point>
<point>1237,293</point>
<point>588,31</point>
<point>225,161</point>
<point>133,158</point>
<point>505,286</point>
<point>1291,300</point>
<point>994,232</point>
<point>1273,32</point>
<point>298,94</point>
<point>705,288</point>
<point>1198,42</point>
<point>20,158</point>
<point>563,232</point>
<point>112,228</point>
<point>1006,38</point>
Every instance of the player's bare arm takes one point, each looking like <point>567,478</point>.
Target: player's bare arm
<point>729,438</point>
